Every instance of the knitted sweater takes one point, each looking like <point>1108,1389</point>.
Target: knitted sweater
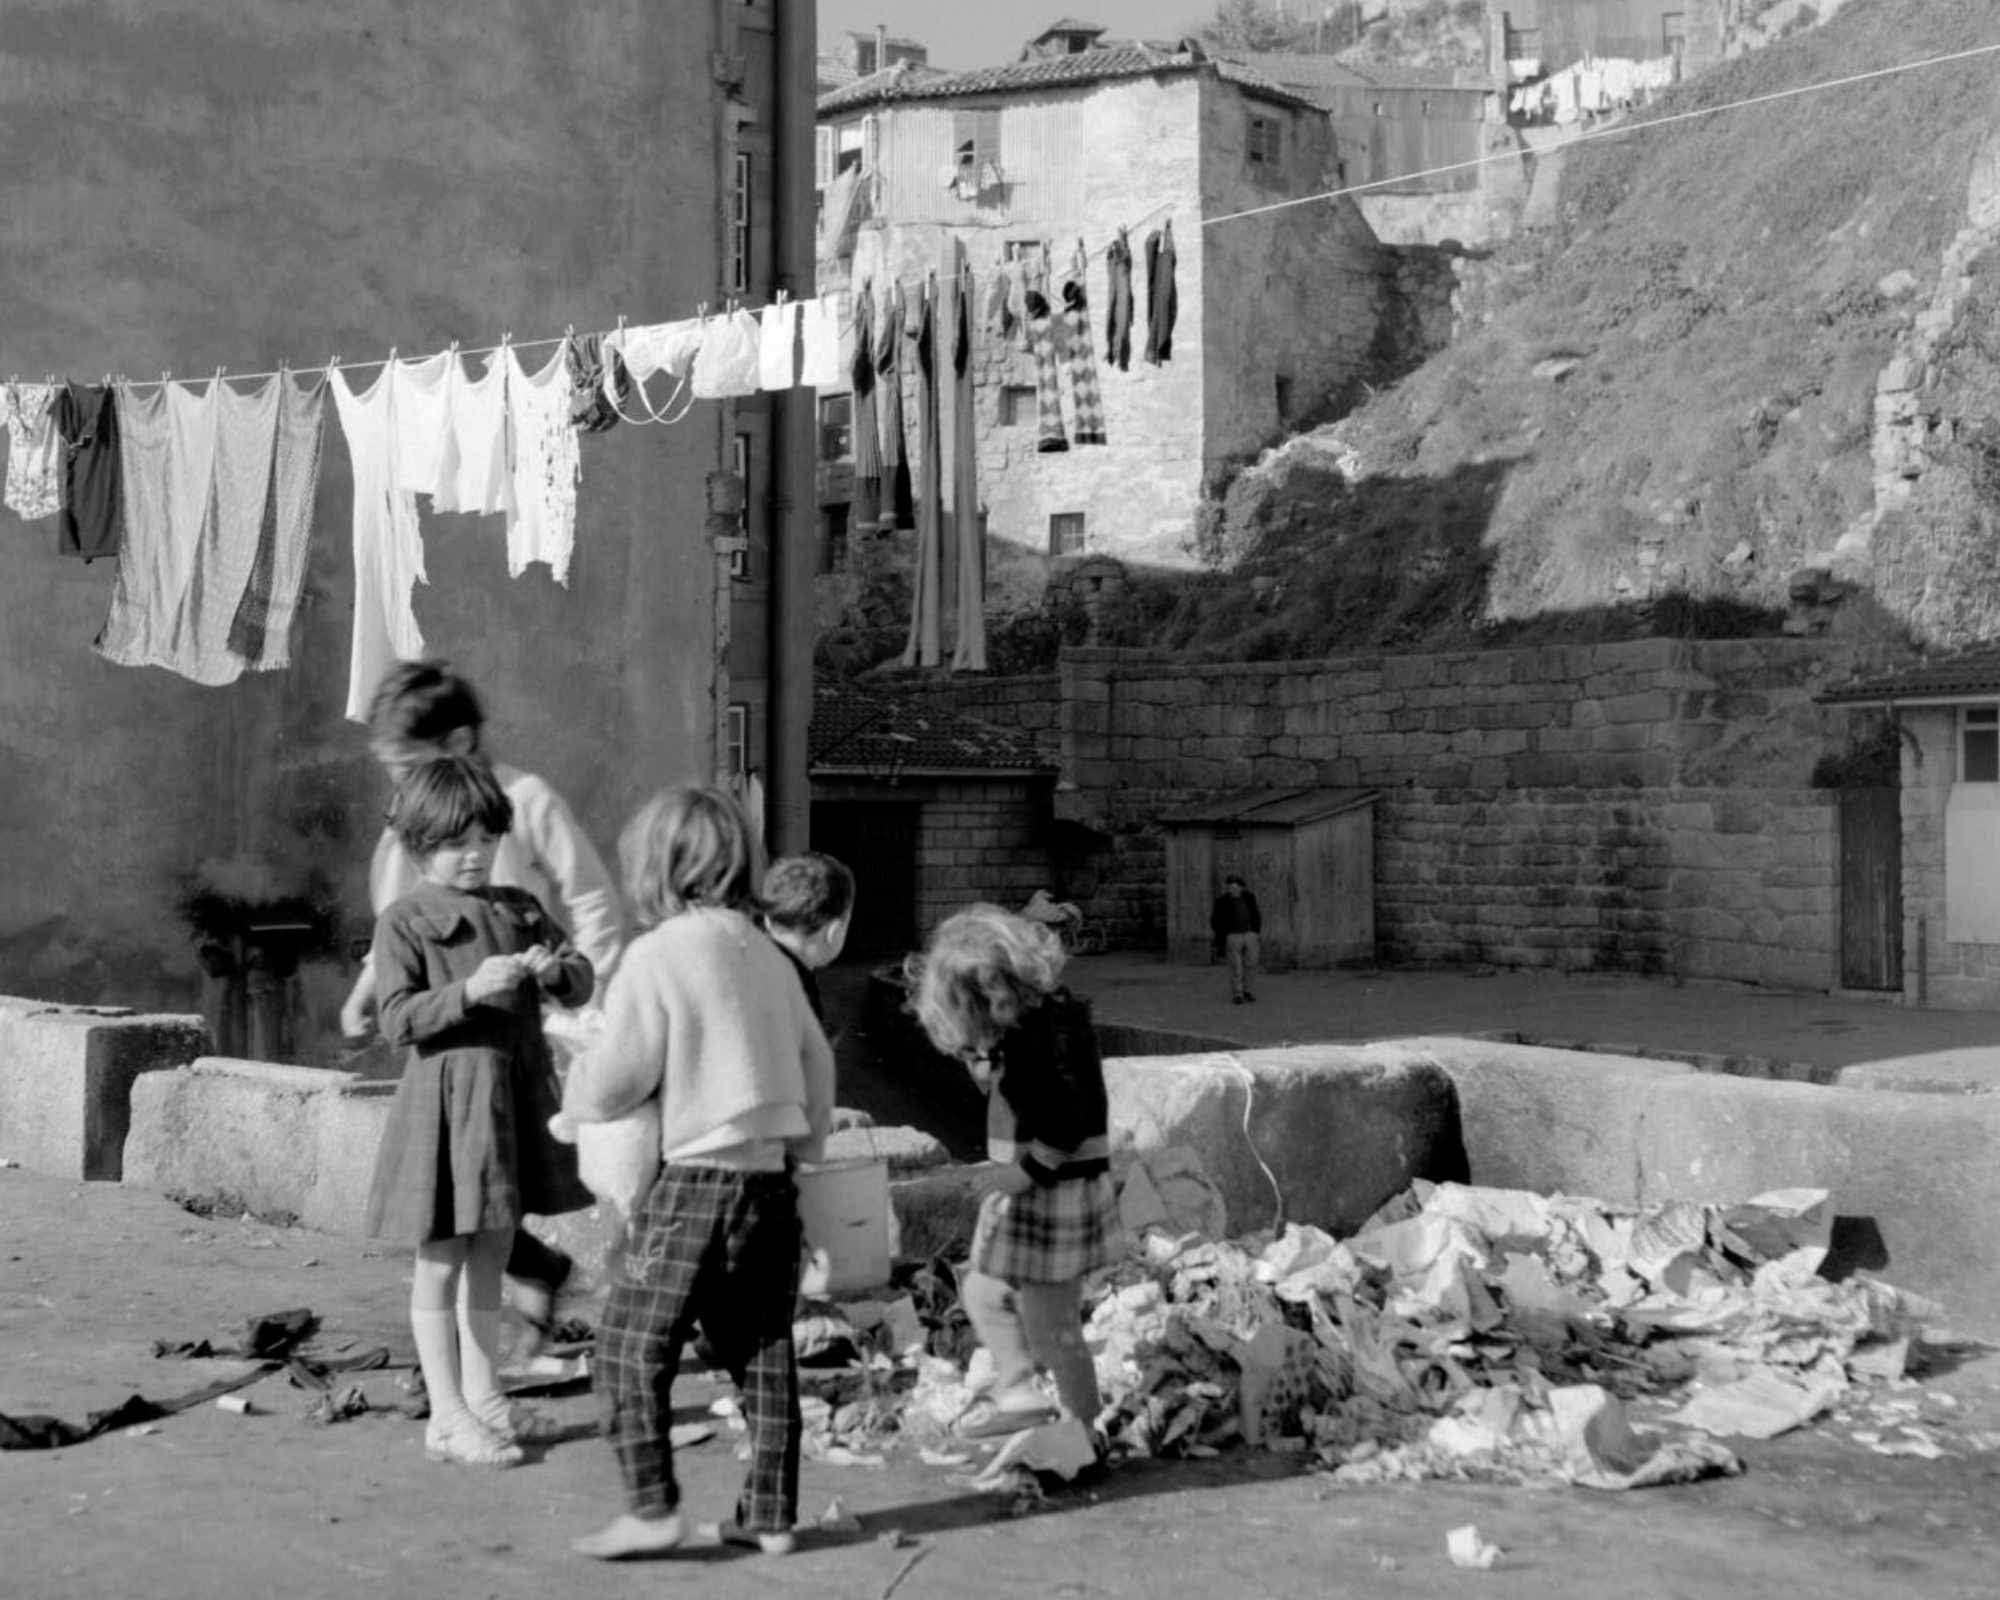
<point>1047,1109</point>
<point>705,1012</point>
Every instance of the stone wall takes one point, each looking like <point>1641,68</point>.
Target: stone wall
<point>1624,807</point>
<point>983,839</point>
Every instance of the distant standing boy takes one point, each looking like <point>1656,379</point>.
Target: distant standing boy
<point>809,902</point>
<point>1236,923</point>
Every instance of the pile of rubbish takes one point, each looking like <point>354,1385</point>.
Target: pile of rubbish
<point>1496,1334</point>
<point>1463,1332</point>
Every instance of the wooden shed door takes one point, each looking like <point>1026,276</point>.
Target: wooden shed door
<point>878,842</point>
<point>1871,889</point>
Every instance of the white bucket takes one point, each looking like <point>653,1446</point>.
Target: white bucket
<point>844,1206</point>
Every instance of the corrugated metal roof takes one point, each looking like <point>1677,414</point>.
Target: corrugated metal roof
<point>1270,807</point>
<point>860,730</point>
<point>1052,72</point>
<point>1969,674</point>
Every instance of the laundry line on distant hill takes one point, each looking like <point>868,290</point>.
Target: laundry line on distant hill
<point>1607,133</point>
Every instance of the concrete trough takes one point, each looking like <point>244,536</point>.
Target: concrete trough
<point>66,1077</point>
<point>1341,1129</point>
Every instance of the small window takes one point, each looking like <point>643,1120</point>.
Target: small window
<point>1283,395</point>
<point>739,560</point>
<point>736,751</point>
<point>836,427</point>
<point>975,139</point>
<point>1979,744</point>
<point>1066,533</point>
<point>1267,144</point>
<point>826,156</point>
<point>833,521</point>
<point>1023,249</point>
<point>739,226</point>
<point>1017,406</point>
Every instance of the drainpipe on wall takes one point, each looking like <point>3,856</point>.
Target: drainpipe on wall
<point>793,497</point>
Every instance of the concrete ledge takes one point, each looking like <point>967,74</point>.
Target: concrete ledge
<point>1914,1184</point>
<point>1342,1127</point>
<point>67,1075</point>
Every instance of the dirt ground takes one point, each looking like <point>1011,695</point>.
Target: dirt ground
<point>211,1504</point>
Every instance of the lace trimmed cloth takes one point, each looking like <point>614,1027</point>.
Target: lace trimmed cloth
<point>34,455</point>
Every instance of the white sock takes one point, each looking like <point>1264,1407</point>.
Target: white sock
<point>479,1361</point>
<point>436,1333</point>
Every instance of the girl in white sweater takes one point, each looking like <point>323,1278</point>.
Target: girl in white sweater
<point>705,1015</point>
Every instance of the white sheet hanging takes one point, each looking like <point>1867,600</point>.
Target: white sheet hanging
<point>388,544</point>
<point>546,465</point>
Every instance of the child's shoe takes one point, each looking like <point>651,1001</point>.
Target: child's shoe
<point>512,1423</point>
<point>631,1535</point>
<point>772,1541</point>
<point>468,1442</point>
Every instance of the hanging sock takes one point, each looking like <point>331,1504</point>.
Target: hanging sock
<point>481,482</point>
<point>599,385</point>
<point>969,637</point>
<point>926,590</point>
<point>829,336</point>
<point>93,510</point>
<point>167,469</point>
<point>1162,299</point>
<point>867,501</point>
<point>1118,316</point>
<point>1080,359</point>
<point>260,633</point>
<point>777,345</point>
<point>388,543</point>
<point>34,452</point>
<point>899,509</point>
<point>546,466</point>
<point>1042,339</point>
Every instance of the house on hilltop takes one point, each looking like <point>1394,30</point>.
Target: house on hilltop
<point>1070,146</point>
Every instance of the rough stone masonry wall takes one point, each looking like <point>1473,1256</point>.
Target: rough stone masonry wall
<point>1627,807</point>
<point>980,840</point>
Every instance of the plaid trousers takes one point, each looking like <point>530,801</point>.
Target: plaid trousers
<point>719,1249</point>
<point>1082,362</point>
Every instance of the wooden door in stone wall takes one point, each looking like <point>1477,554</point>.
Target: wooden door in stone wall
<point>878,842</point>
<point>1871,888</point>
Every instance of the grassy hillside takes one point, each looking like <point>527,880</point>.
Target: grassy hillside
<point>1668,410</point>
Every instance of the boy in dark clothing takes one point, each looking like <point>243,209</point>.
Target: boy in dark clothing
<point>1235,923</point>
<point>809,901</point>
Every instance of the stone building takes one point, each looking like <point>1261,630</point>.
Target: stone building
<point>1276,310</point>
<point>248,183</point>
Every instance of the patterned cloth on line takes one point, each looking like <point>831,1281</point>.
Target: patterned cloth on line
<point>715,1249</point>
<point>1042,332</point>
<point>1081,360</point>
<point>1049,1234</point>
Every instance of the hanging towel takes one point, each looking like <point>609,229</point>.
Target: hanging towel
<point>829,335</point>
<point>899,508</point>
<point>926,589</point>
<point>726,363</point>
<point>1118,317</point>
<point>420,409</point>
<point>388,544</point>
<point>867,502</point>
<point>777,345</point>
<point>1162,300</point>
<point>170,560</point>
<point>1081,359</point>
<point>478,450</point>
<point>1042,338</point>
<point>546,466</point>
<point>34,452</point>
<point>969,639</point>
<point>260,633</point>
<point>599,384</point>
<point>93,512</point>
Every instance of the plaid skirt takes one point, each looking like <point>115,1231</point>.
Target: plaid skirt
<point>1049,1235</point>
<point>467,1148</point>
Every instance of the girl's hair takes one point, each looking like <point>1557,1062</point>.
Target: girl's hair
<point>424,702</point>
<point>983,968</point>
<point>441,799</point>
<point>689,846</point>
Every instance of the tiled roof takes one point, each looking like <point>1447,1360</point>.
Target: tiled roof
<point>1050,72</point>
<point>1970,674</point>
<point>1069,25</point>
<point>864,730</point>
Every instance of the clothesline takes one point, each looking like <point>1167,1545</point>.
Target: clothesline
<point>1609,133</point>
<point>1164,207</point>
